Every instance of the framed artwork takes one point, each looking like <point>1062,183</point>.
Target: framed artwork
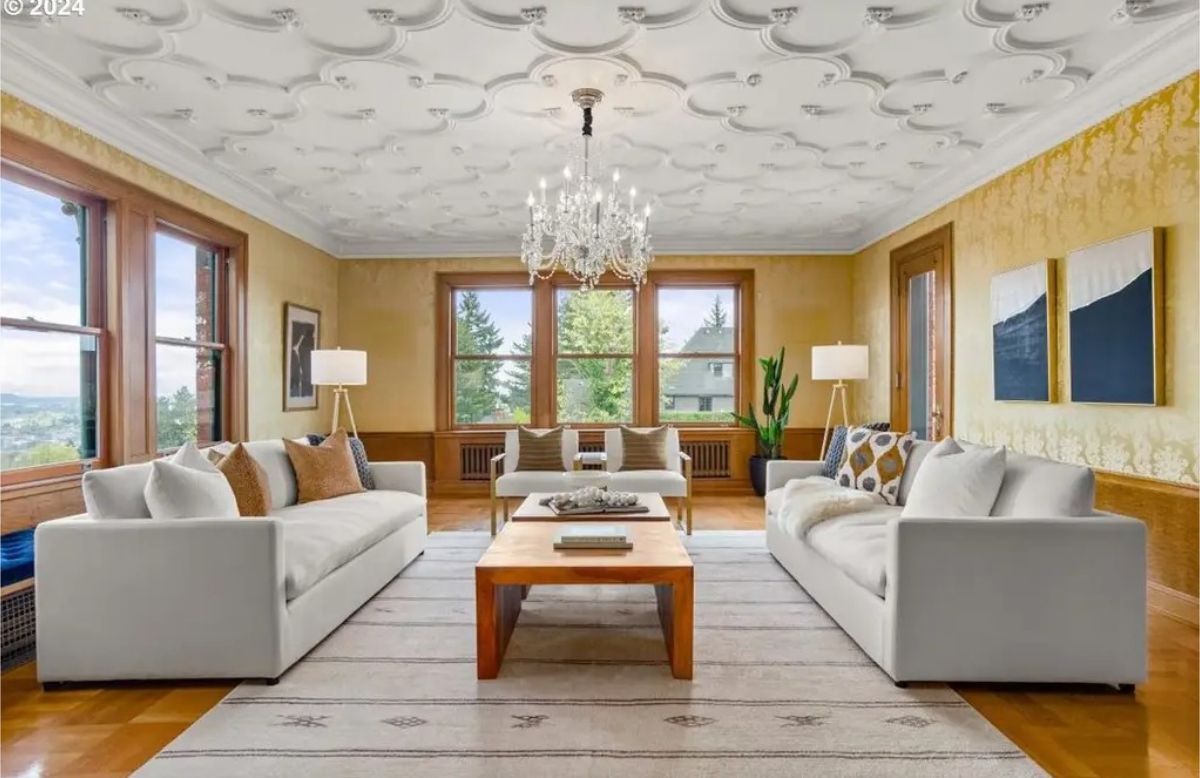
<point>1023,332</point>
<point>301,334</point>
<point>1115,320</point>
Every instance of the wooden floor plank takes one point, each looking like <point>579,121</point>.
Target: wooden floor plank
<point>109,730</point>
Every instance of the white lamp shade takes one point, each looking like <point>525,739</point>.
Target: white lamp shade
<point>339,367</point>
<point>839,363</point>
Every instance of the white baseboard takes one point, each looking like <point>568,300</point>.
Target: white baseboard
<point>1176,604</point>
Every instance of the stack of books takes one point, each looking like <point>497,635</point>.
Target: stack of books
<point>605,536</point>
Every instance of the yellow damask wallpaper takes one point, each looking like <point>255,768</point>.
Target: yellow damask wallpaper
<point>282,268</point>
<point>1136,169</point>
<point>800,301</point>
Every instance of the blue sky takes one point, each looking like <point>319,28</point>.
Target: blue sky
<point>39,277</point>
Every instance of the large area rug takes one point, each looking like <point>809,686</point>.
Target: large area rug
<point>585,689</point>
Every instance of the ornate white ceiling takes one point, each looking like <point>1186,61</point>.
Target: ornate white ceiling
<point>416,127</point>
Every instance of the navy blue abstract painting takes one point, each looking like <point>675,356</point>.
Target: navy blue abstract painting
<point>1021,345</point>
<point>1111,300</point>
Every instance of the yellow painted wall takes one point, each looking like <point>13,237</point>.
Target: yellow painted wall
<point>281,267</point>
<point>1137,169</point>
<point>389,308</point>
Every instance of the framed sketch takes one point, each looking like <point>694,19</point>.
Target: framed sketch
<point>1115,320</point>
<point>1023,333</point>
<point>301,334</point>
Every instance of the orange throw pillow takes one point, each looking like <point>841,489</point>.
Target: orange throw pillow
<point>247,479</point>
<point>326,470</point>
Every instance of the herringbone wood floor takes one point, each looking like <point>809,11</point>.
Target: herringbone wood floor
<point>111,730</point>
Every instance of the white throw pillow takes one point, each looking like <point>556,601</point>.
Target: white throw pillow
<point>953,483</point>
<point>178,492</point>
<point>191,457</point>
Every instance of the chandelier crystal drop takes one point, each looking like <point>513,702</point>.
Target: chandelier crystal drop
<point>585,230</point>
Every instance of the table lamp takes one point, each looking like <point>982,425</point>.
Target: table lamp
<point>839,364</point>
<point>339,369</point>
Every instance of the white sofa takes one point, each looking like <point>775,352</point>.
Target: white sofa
<point>140,598</point>
<point>1011,597</point>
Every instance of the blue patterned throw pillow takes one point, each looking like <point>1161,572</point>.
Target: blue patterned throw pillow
<point>836,451</point>
<point>360,458</point>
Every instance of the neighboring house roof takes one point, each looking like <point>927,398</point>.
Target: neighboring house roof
<point>695,379</point>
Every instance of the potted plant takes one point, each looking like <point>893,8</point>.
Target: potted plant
<point>776,408</point>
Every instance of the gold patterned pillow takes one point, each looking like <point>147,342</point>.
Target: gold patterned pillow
<point>539,450</point>
<point>875,462</point>
<point>324,471</point>
<point>644,450</point>
<point>247,479</point>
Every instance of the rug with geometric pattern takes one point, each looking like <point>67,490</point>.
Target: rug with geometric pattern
<point>585,689</point>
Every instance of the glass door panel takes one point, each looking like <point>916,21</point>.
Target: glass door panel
<point>921,378</point>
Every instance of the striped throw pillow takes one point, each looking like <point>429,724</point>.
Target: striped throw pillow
<point>539,451</point>
<point>644,450</point>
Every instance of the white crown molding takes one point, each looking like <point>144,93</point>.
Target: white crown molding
<point>387,249</point>
<point>44,85</point>
<point>1163,60</point>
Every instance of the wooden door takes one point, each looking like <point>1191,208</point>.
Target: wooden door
<point>922,335</point>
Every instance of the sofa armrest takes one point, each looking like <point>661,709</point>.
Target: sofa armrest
<point>780,471</point>
<point>1054,599</point>
<point>146,598</point>
<point>400,476</point>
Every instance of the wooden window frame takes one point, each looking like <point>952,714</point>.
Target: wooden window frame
<point>544,356</point>
<point>483,281</point>
<point>742,284</point>
<point>94,318</point>
<point>222,323</point>
<point>128,412</point>
<point>564,282</point>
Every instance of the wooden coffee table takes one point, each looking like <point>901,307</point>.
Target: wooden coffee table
<point>531,509</point>
<point>523,555</point>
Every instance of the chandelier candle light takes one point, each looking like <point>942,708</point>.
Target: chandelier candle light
<point>588,233</point>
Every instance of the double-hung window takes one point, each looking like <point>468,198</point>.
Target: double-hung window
<point>492,331</point>
<point>190,338</point>
<point>697,353</point>
<point>594,355</point>
<point>51,326</point>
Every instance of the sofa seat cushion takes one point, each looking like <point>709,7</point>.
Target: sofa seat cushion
<point>667,483</point>
<point>526,482</point>
<point>321,536</point>
<point>857,545</point>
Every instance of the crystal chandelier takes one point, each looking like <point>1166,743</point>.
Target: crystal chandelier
<point>587,233</point>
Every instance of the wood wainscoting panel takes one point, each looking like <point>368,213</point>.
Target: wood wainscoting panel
<point>25,505</point>
<point>400,447</point>
<point>1172,516</point>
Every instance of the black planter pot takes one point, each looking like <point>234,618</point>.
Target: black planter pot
<point>758,474</point>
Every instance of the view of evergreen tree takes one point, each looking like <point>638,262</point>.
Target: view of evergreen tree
<point>717,318</point>
<point>477,390</point>
<point>595,322</point>
<point>589,387</point>
<point>518,381</point>
<point>176,419</point>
